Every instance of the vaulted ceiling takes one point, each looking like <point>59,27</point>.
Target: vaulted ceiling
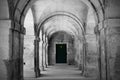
<point>71,16</point>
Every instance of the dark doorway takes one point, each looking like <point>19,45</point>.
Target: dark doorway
<point>61,53</point>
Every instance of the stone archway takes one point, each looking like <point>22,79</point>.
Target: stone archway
<point>12,32</point>
<point>16,37</point>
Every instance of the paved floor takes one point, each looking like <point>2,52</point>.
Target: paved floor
<point>58,72</point>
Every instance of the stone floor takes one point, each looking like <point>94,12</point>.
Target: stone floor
<point>57,72</point>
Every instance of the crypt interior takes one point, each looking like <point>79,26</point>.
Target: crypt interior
<point>59,40</point>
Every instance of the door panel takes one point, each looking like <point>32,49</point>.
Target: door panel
<point>61,53</point>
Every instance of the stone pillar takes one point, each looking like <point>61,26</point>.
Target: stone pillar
<point>91,57</point>
<point>5,67</point>
<point>84,59</point>
<point>46,52</point>
<point>42,56</point>
<point>109,29</point>
<point>36,57</point>
<point>12,36</point>
<point>109,42</point>
<point>15,63</point>
<point>45,55</point>
<point>43,52</point>
<point>112,28</point>
<point>101,50</point>
<point>80,63</point>
<point>5,25</point>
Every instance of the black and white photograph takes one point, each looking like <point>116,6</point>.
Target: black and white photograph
<point>59,39</point>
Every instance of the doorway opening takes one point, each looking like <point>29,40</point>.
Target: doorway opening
<point>61,53</point>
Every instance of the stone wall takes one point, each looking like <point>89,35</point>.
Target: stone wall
<point>61,38</point>
<point>28,55</point>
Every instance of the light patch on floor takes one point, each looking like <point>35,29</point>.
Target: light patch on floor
<point>60,72</point>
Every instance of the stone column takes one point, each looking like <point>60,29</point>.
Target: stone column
<point>109,42</point>
<point>101,50</point>
<point>44,51</point>
<point>80,48</point>
<point>5,25</point>
<point>36,57</point>
<point>5,62</point>
<point>109,29</point>
<point>84,59</point>
<point>46,54</point>
<point>112,45</point>
<point>91,56</point>
<point>42,56</point>
<point>11,56</point>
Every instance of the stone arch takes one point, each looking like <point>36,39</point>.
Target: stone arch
<point>17,31</point>
<point>53,42</point>
<point>21,9</point>
<point>76,28</point>
<point>80,25</point>
<point>95,12</point>
<point>64,14</point>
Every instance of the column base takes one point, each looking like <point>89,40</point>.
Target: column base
<point>37,73</point>
<point>42,68</point>
<point>80,67</point>
<point>46,66</point>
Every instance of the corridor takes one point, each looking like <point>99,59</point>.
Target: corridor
<point>59,72</point>
<point>59,39</point>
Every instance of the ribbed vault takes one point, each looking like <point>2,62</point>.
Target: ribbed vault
<point>61,23</point>
<point>76,18</point>
<point>78,12</point>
